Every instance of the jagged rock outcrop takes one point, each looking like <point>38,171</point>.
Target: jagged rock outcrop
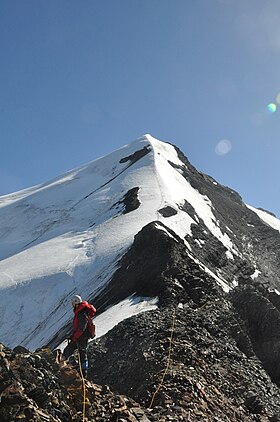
<point>262,320</point>
<point>208,379</point>
<point>214,373</point>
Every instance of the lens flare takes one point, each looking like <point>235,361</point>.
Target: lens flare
<point>271,108</point>
<point>278,98</point>
<point>223,147</point>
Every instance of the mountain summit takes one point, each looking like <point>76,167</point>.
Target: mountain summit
<point>68,235</point>
<point>142,230</point>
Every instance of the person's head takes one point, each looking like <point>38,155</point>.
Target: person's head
<point>76,300</point>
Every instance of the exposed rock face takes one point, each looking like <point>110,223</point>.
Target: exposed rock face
<point>257,243</point>
<point>141,266</point>
<point>136,156</point>
<point>262,320</point>
<point>209,378</point>
<point>216,371</point>
<point>129,202</point>
<point>167,211</point>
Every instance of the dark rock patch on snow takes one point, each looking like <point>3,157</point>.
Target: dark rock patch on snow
<point>182,169</point>
<point>189,209</point>
<point>136,155</point>
<point>167,211</point>
<point>130,200</point>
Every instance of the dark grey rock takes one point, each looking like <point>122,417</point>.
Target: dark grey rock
<point>167,211</point>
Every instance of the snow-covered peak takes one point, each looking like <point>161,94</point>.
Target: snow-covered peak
<point>66,236</point>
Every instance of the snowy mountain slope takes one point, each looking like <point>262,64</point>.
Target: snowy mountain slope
<point>68,236</point>
<point>270,219</point>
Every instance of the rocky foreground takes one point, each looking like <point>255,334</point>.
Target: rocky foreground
<point>213,373</point>
<point>35,388</point>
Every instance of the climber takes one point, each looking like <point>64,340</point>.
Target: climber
<point>83,330</point>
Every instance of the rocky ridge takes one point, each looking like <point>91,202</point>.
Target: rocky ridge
<point>216,371</point>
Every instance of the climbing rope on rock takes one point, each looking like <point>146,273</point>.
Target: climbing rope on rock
<point>84,386</point>
<point>168,360</point>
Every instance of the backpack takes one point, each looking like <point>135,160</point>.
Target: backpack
<point>91,326</point>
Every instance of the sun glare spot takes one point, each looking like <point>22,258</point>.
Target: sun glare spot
<point>223,147</point>
<point>271,108</point>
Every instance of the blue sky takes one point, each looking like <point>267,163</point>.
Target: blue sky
<point>82,78</point>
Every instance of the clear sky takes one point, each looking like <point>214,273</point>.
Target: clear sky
<point>80,78</point>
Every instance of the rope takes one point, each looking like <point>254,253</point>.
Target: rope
<point>168,360</point>
<point>84,386</point>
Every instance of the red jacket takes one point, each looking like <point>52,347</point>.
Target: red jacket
<point>82,322</point>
